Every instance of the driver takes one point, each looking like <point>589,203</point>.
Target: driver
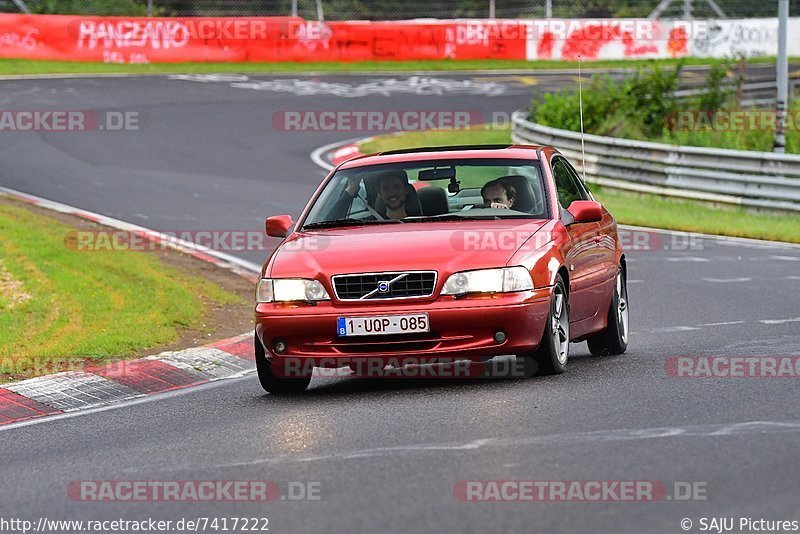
<point>392,189</point>
<point>498,194</point>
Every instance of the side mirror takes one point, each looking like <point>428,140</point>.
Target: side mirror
<point>585,211</point>
<point>278,225</point>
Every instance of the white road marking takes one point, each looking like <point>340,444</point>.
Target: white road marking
<point>635,281</point>
<point>780,321</point>
<point>578,438</point>
<point>317,156</point>
<point>689,259</point>
<point>667,329</point>
<point>792,277</point>
<point>786,258</point>
<point>726,280</point>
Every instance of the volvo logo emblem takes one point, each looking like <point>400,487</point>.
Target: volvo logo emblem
<point>383,286</point>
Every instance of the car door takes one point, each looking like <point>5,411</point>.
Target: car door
<point>606,237</point>
<point>583,252</point>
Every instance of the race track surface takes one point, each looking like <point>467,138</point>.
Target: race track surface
<point>388,453</point>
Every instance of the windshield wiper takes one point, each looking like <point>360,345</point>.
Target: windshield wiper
<point>347,222</point>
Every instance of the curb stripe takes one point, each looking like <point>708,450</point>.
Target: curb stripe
<point>94,387</point>
<point>208,362</point>
<point>72,390</point>
<point>241,346</point>
<point>15,407</point>
<point>149,376</point>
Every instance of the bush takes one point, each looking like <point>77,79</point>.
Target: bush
<point>635,107</point>
<point>642,106</point>
<point>89,7</point>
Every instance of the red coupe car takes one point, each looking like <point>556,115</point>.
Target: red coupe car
<point>441,254</point>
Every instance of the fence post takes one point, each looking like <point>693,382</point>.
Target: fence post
<point>22,7</point>
<point>782,67</point>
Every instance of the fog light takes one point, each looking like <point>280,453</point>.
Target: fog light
<point>280,347</point>
<point>500,337</point>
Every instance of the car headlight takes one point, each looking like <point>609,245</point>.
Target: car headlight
<point>290,289</point>
<point>505,280</point>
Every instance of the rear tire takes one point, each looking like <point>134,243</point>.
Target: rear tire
<point>550,358</point>
<point>614,338</point>
<point>277,385</point>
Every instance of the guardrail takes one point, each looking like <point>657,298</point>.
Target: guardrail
<point>754,93</point>
<point>751,179</point>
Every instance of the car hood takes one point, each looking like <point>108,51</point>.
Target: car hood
<point>445,247</point>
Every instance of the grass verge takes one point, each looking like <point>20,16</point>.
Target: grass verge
<point>26,66</point>
<point>628,208</point>
<point>62,308</point>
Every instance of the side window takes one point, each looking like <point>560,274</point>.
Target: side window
<point>585,193</point>
<point>566,185</point>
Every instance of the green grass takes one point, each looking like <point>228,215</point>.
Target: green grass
<point>693,216</point>
<point>59,306</point>
<point>758,140</point>
<point>628,208</point>
<point>473,136</point>
<point>25,66</point>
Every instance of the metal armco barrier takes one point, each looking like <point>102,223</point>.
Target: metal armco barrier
<point>750,179</point>
<point>754,93</point>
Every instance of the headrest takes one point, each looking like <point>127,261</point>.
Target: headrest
<point>526,199</point>
<point>433,200</point>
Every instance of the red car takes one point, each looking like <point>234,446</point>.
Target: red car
<point>441,254</point>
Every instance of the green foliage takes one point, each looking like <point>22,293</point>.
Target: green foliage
<point>716,94</point>
<point>89,7</point>
<point>407,9</point>
<point>633,107</point>
<point>642,107</point>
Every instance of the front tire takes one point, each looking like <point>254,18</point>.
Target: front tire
<point>272,383</point>
<point>614,338</point>
<point>550,358</point>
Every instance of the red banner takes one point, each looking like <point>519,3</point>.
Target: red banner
<point>240,39</point>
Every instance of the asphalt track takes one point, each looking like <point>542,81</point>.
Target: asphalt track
<point>388,453</point>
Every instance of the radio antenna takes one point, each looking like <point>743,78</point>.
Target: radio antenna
<point>580,105</point>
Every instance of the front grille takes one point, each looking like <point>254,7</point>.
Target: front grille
<point>369,286</point>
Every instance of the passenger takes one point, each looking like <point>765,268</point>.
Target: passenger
<point>498,194</point>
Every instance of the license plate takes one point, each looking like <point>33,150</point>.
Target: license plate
<point>382,325</point>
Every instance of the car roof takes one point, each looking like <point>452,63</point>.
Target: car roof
<point>529,152</point>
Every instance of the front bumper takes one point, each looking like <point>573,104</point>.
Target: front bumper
<point>459,329</point>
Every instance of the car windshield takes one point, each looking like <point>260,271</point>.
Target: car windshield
<point>433,190</point>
